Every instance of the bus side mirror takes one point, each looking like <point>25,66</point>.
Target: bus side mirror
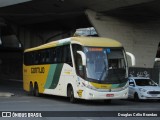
<point>83,56</point>
<point>133,59</point>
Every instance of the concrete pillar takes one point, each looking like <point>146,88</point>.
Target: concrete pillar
<point>28,38</point>
<point>140,39</point>
<point>24,37</point>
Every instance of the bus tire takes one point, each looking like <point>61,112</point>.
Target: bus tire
<point>70,94</point>
<point>36,90</point>
<point>31,89</point>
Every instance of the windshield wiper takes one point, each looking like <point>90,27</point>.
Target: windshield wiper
<point>105,69</point>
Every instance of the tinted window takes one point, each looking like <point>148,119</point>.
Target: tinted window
<point>60,54</point>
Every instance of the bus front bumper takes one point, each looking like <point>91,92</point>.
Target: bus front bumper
<point>97,95</point>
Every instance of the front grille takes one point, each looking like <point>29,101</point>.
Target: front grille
<point>154,92</point>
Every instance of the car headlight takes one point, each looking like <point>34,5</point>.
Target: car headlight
<point>142,90</point>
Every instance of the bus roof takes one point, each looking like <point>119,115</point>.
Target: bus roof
<point>84,41</point>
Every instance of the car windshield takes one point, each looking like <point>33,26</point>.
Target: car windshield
<point>105,64</point>
<point>145,82</point>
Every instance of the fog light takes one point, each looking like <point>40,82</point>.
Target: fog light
<point>125,94</point>
<point>91,94</point>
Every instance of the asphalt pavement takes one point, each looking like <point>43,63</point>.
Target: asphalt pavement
<point>59,108</point>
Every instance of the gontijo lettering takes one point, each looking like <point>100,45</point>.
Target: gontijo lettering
<point>37,70</point>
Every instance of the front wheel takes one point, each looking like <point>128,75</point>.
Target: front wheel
<point>136,97</point>
<point>70,93</point>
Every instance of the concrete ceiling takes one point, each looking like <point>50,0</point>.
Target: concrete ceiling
<point>143,12</point>
<point>4,3</point>
<point>68,13</point>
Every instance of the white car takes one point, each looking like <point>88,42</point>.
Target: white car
<point>141,88</point>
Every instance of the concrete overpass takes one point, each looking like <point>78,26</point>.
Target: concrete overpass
<point>135,23</point>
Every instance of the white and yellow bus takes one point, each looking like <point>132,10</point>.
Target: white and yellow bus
<point>89,68</point>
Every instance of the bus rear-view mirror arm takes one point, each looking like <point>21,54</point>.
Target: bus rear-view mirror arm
<point>133,59</point>
<point>83,56</point>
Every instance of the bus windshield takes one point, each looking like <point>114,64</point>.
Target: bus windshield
<point>105,65</point>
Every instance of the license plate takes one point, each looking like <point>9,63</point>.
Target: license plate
<point>109,95</point>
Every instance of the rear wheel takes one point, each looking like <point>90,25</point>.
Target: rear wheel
<point>36,90</point>
<point>70,94</point>
<point>31,89</point>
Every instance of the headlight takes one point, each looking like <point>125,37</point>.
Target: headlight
<point>121,88</point>
<point>142,90</point>
<point>88,86</point>
<point>126,86</point>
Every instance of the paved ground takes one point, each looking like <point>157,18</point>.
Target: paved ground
<point>22,102</point>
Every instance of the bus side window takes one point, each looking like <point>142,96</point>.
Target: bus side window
<point>42,57</point>
<point>36,57</point>
<point>67,55</point>
<point>54,57</point>
<point>32,58</point>
<point>59,54</point>
<point>48,56</point>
